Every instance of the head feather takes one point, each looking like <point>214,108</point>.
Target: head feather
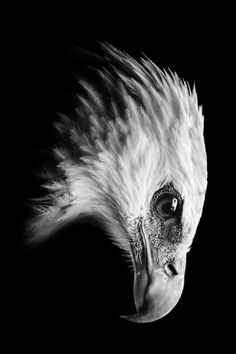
<point>144,129</point>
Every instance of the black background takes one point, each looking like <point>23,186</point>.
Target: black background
<point>76,284</point>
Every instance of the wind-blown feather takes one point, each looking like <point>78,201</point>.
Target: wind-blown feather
<point>145,128</point>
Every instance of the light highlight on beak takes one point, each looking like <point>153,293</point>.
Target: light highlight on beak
<point>156,289</point>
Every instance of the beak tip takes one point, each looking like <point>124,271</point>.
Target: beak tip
<point>158,302</point>
<point>139,318</point>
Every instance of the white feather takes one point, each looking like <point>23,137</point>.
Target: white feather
<point>128,153</point>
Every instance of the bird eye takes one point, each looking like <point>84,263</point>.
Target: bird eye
<point>167,205</point>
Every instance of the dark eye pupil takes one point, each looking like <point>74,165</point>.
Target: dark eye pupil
<point>167,205</point>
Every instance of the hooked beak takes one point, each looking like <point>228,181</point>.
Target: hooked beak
<point>156,289</point>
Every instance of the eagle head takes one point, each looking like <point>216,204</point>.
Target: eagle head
<point>134,157</point>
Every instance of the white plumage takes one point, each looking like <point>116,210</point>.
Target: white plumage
<point>145,131</point>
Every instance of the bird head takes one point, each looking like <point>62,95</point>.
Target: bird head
<point>139,167</point>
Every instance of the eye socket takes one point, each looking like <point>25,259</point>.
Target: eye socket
<point>167,205</point>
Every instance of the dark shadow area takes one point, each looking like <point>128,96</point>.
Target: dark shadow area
<point>75,281</point>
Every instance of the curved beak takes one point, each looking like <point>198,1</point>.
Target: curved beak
<point>156,289</point>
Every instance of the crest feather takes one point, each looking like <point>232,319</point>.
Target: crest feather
<point>144,128</point>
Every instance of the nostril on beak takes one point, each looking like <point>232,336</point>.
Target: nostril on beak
<point>170,270</point>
